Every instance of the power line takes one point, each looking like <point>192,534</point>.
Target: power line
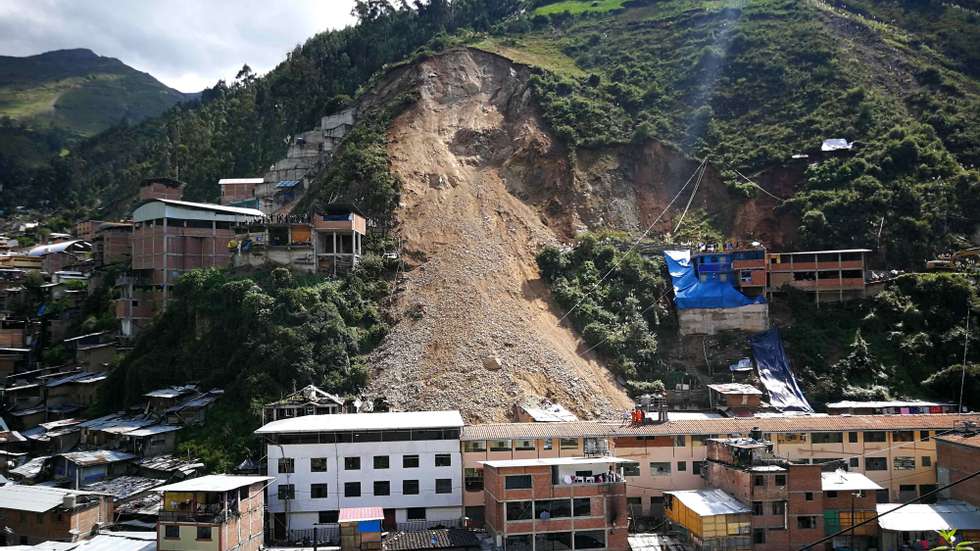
<point>879,515</point>
<point>635,244</point>
<point>758,186</point>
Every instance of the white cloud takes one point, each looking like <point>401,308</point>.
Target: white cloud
<point>186,44</point>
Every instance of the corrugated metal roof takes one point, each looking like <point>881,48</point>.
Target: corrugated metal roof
<point>171,391</point>
<point>445,538</point>
<point>153,429</point>
<point>35,499</point>
<point>285,184</point>
<point>44,250</point>
<point>226,181</point>
<point>97,457</point>
<point>30,469</point>
<point>213,483</point>
<point>81,378</point>
<point>709,502</point>
<point>212,207</point>
<point>548,412</point>
<point>357,514</point>
<point>118,541</point>
<point>123,487</point>
<point>920,517</point>
<point>170,463</point>
<point>365,421</point>
<point>735,388</point>
<point>655,542</point>
<point>844,481</point>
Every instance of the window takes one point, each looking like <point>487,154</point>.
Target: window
<point>381,462</point>
<point>881,496</point>
<point>926,461</point>
<point>876,464</point>
<point>852,437</point>
<point>780,480</point>
<point>518,543</point>
<point>318,491</point>
<point>553,541</point>
<point>287,491</point>
<point>410,461</point>
<point>204,533</point>
<point>517,482</point>
<point>171,532</point>
<point>328,517</point>
<point>907,489</point>
<point>318,464</point>
<point>682,466</point>
<point>286,465</point>
<point>473,479</point>
<point>352,463</point>
<point>791,438</point>
<point>806,522</point>
<point>758,535</point>
<point>352,489</point>
<point>591,539</point>
<point>757,508</point>
<point>827,437</point>
<point>698,467</point>
<point>443,460</point>
<point>854,462</point>
<point>903,436</point>
<point>660,469</point>
<point>699,440</point>
<point>680,441</point>
<point>410,487</point>
<point>924,435</point>
<point>808,496</point>
<point>546,444</point>
<point>903,463</point>
<point>415,513</point>
<point>831,493</point>
<point>778,507</point>
<point>758,480</point>
<point>631,469</point>
<point>925,489</point>
<point>581,507</point>
<point>524,445</point>
<point>874,436</point>
<point>518,510</point>
<point>569,443</point>
<point>553,508</point>
<point>382,488</point>
<point>444,485</point>
<point>475,446</point>
<point>500,445</point>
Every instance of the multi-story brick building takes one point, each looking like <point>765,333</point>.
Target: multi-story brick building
<point>214,512</point>
<point>895,451</point>
<point>33,514</point>
<point>556,503</point>
<point>957,454</point>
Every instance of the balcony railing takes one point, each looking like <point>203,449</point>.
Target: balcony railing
<point>203,517</point>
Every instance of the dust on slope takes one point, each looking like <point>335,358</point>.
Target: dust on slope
<point>477,294</point>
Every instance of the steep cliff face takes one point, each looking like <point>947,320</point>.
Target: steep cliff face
<point>486,185</point>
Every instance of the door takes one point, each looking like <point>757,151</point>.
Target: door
<point>389,522</point>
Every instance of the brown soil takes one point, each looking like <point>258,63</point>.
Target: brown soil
<point>485,186</point>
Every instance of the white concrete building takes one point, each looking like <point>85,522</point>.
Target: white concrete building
<point>407,463</point>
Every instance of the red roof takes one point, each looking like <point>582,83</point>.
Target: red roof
<point>357,514</point>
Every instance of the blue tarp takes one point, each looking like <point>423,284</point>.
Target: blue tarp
<point>784,393</point>
<point>285,184</point>
<point>691,293</point>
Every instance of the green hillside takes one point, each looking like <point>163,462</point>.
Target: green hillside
<point>78,92</point>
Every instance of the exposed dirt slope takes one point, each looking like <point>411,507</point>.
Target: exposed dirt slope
<point>477,295</point>
<point>485,187</point>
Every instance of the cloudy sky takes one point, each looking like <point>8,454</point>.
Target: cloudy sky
<point>187,44</point>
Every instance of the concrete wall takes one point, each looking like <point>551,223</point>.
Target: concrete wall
<point>446,506</point>
<point>957,461</point>
<point>708,321</point>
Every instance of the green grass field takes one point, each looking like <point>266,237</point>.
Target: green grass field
<point>580,6</point>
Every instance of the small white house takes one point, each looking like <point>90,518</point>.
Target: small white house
<point>408,463</point>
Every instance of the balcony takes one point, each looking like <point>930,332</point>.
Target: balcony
<point>200,517</point>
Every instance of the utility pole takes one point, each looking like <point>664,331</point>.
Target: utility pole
<point>966,347</point>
